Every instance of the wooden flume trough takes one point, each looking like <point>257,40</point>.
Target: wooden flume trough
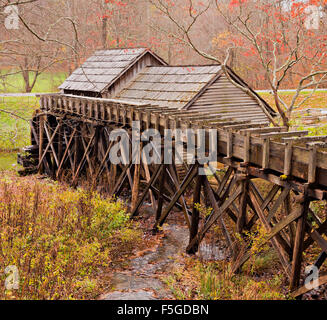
<point>72,133</point>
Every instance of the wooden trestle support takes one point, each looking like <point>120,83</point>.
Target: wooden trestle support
<point>72,134</point>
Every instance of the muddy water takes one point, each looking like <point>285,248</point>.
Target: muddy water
<point>141,281</point>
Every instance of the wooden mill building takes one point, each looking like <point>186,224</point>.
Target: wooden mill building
<point>139,75</point>
<point>107,71</point>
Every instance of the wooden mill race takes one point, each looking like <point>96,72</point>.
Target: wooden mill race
<point>115,88</point>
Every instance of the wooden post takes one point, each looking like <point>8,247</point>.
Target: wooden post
<point>136,185</point>
<point>161,192</point>
<point>60,144</point>
<point>41,142</point>
<point>241,219</point>
<point>298,243</point>
<point>195,213</point>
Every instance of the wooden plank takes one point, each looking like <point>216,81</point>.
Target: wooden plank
<point>288,158</point>
<point>87,155</point>
<point>254,131</point>
<point>120,181</point>
<point>41,141</point>
<point>69,151</point>
<point>305,139</point>
<point>265,153</point>
<point>49,144</point>
<point>312,167</point>
<point>322,279</point>
<point>279,135</point>
<point>66,152</point>
<point>168,199</point>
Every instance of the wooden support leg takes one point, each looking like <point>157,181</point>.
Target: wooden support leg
<point>172,172</point>
<point>140,200</point>
<point>85,155</point>
<point>161,192</point>
<point>50,143</point>
<point>148,177</point>
<point>209,192</point>
<point>298,244</point>
<point>136,185</point>
<point>118,187</point>
<point>264,220</point>
<point>36,137</point>
<point>41,142</point>
<point>113,174</point>
<point>241,219</point>
<point>188,179</point>
<point>66,152</point>
<point>60,144</point>
<point>195,213</point>
<point>218,211</point>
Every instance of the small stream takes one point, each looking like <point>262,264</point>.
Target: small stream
<point>142,280</point>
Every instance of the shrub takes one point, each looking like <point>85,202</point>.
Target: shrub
<point>59,238</point>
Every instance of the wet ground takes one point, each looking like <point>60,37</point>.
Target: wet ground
<point>142,280</point>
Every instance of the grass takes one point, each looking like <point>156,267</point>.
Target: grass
<point>318,100</point>
<point>46,82</point>
<point>8,162</point>
<point>14,130</point>
<point>196,280</point>
<point>64,243</point>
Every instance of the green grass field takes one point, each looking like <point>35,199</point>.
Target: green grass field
<point>318,100</point>
<point>8,161</point>
<point>46,82</point>
<point>14,131</point>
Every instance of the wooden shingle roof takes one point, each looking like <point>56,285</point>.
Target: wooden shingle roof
<point>102,69</point>
<point>169,86</point>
